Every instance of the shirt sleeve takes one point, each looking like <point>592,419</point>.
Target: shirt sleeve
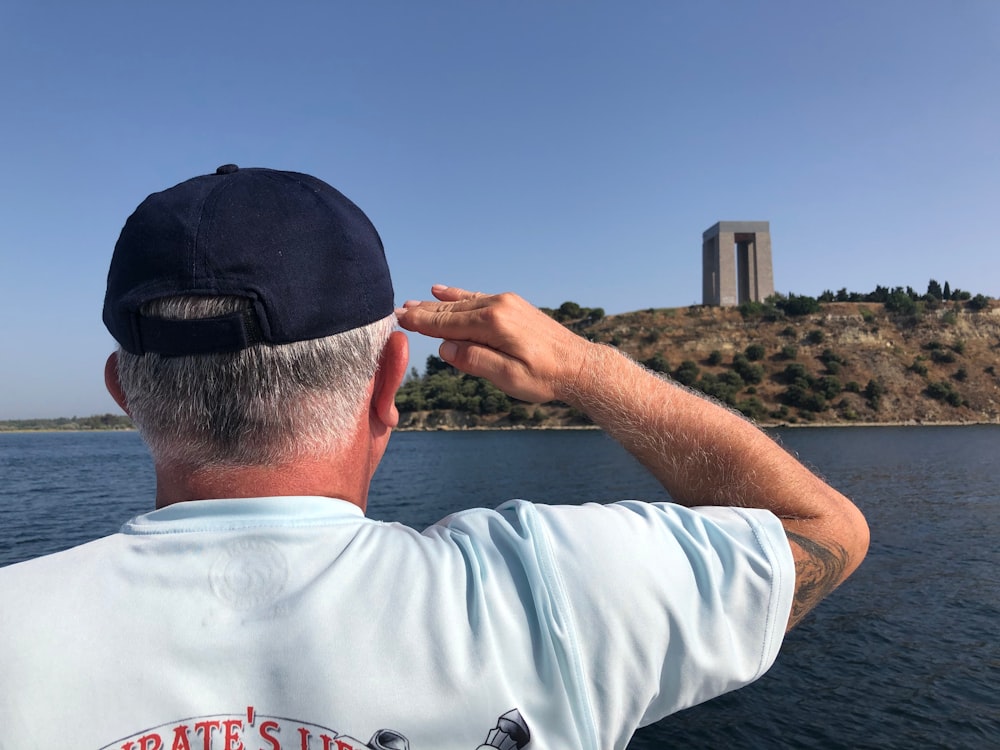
<point>664,606</point>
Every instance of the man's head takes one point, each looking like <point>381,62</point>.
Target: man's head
<point>251,307</point>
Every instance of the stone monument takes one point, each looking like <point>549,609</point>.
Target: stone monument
<point>736,263</point>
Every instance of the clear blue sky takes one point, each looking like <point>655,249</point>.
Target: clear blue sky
<point>566,151</point>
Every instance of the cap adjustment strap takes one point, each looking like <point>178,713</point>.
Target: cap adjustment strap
<point>225,333</point>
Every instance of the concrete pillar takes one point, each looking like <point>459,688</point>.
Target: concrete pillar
<point>736,263</point>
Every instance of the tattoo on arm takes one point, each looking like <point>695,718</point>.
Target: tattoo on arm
<point>816,574</point>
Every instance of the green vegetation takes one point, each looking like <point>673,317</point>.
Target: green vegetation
<point>443,387</point>
<point>96,422</point>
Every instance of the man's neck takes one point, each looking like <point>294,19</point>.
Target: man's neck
<point>337,477</point>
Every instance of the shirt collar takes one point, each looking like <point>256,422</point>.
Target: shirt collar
<point>244,512</point>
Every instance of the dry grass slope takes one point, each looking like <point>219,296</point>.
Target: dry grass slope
<point>937,366</point>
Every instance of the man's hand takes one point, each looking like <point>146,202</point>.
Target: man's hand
<point>502,338</point>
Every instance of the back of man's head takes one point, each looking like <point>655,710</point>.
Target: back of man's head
<point>251,307</point>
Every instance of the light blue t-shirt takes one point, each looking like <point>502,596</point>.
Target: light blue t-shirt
<point>295,623</point>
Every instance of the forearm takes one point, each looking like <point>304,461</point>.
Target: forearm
<point>702,453</point>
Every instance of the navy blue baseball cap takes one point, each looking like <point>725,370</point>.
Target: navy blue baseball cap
<point>307,259</point>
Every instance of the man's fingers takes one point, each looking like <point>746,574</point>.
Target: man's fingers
<point>459,315</point>
<point>453,293</point>
<point>472,358</point>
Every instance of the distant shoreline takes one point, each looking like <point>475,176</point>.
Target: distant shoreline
<point>554,428</point>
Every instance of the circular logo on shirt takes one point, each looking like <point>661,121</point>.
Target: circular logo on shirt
<point>249,573</point>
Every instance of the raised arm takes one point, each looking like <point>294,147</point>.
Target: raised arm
<point>702,453</point>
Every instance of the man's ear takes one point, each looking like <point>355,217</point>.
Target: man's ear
<point>113,384</point>
<point>391,371</point>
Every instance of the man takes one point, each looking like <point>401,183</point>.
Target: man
<point>258,608</point>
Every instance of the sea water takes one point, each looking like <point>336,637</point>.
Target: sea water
<point>906,654</point>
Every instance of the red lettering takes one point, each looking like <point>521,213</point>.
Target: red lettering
<point>181,741</point>
<point>128,745</point>
<point>233,734</point>
<point>345,746</point>
<point>327,742</point>
<point>266,727</point>
<point>304,736</point>
<point>150,742</point>
<point>206,727</point>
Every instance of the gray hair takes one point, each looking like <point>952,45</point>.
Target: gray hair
<point>266,404</point>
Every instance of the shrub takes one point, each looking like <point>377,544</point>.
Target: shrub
<point>752,309</point>
<point>755,352</point>
<point>815,402</point>
<point>732,379</point>
<point>718,388</point>
<point>874,392</point>
<point>979,302</point>
<point>795,372</point>
<point>752,408</point>
<point>749,372</point>
<point>828,386</point>
<point>715,357</point>
<point>789,351</point>
<point>796,395</point>
<point>687,373</point>
<point>518,414</point>
<point>943,391</point>
<point>828,356</point>
<point>657,363</point>
<point>848,412</point>
<point>816,336</point>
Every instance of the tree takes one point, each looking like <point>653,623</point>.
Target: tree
<point>947,291</point>
<point>435,365</point>
<point>568,311</point>
<point>934,290</point>
<point>797,304</point>
<point>900,302</point>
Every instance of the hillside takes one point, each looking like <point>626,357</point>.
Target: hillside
<point>848,363</point>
